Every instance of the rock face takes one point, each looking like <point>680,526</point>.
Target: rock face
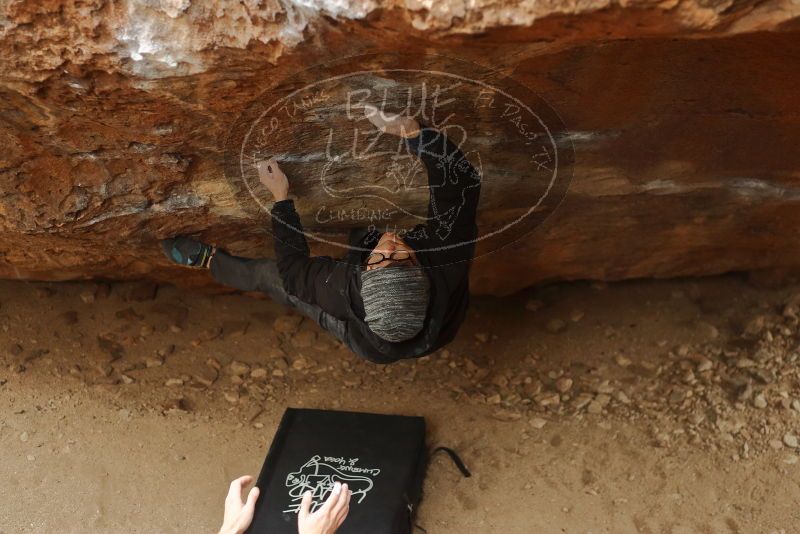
<point>120,123</point>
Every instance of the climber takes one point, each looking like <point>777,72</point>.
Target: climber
<point>392,297</point>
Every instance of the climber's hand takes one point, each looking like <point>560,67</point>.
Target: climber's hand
<point>238,514</point>
<point>392,124</point>
<point>271,175</point>
<point>330,515</point>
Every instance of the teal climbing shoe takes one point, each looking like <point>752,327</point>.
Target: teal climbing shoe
<point>187,251</point>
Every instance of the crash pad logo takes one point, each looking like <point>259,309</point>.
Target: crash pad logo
<point>319,474</point>
<point>346,174</point>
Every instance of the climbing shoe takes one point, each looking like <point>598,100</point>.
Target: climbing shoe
<point>186,251</point>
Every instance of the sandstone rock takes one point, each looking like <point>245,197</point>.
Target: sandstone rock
<point>88,190</point>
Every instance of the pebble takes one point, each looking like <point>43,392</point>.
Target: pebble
<point>776,444</point>
<point>603,399</point>
<point>153,362</point>
<point>482,337</point>
<point>174,382</point>
<point>708,330</point>
<point>507,416</point>
<point>538,423</point>
<point>87,297</point>
<point>760,401</point>
<point>232,396</point>
<point>582,400</point>
<point>622,397</point>
<point>23,437</point>
<point>790,440</point>
<point>563,384</point>
<point>300,363</point>
<point>594,407</point>
<point>554,326</point>
<point>755,325</point>
<point>548,399</point>
<point>207,380</point>
<point>258,373</point>
<point>622,361</point>
<point>704,365</point>
<point>493,399</point>
<point>576,315</point>
<point>238,368</point>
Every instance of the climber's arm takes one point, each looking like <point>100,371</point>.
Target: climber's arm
<point>455,187</point>
<point>314,280</point>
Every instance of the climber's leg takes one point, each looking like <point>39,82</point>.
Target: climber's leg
<point>248,274</point>
<point>262,275</point>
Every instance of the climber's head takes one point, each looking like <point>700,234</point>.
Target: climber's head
<point>395,290</point>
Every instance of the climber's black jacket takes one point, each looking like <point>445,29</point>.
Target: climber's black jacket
<point>444,246</point>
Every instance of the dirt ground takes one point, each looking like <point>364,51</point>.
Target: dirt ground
<point>642,407</point>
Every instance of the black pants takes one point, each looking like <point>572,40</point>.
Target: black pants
<point>262,275</point>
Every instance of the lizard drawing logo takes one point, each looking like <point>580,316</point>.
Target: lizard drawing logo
<point>406,173</point>
<point>318,477</point>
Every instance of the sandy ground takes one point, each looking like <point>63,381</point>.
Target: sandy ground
<point>647,407</point>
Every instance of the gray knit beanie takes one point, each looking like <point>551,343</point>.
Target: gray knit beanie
<point>395,301</point>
